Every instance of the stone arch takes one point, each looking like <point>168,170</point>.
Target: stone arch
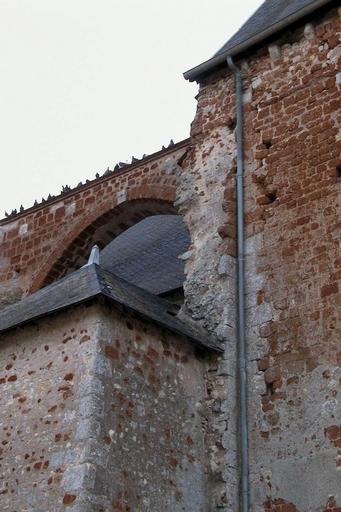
<point>97,228</point>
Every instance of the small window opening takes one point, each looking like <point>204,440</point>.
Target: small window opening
<point>267,143</point>
<point>338,171</point>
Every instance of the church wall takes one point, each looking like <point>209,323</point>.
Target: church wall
<point>293,269</point>
<point>292,204</point>
<point>101,412</point>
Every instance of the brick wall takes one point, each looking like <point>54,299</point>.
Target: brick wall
<point>292,186</point>
<point>293,229</point>
<point>292,203</point>
<point>37,246</point>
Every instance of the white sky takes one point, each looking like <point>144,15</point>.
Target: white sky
<point>85,84</point>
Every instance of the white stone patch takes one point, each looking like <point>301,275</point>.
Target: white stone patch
<point>256,82</point>
<point>334,55</point>
<point>9,227</point>
<point>338,78</point>
<point>247,97</point>
<point>186,255</point>
<point>23,229</point>
<point>225,265</point>
<point>309,31</point>
<point>259,385</point>
<point>297,58</point>
<point>54,207</point>
<point>169,166</point>
<point>121,196</point>
<point>274,51</point>
<point>253,244</point>
<point>70,208</point>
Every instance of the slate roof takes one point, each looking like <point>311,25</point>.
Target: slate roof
<point>268,14</point>
<point>270,17</point>
<point>92,281</point>
<point>147,254</point>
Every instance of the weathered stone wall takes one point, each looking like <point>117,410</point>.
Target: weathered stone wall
<point>292,204</point>
<point>152,447</point>
<point>206,199</point>
<point>101,412</point>
<point>40,244</point>
<point>41,406</point>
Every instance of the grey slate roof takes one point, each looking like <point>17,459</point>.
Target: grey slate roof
<point>90,282</point>
<point>268,14</point>
<point>147,253</point>
<point>270,17</point>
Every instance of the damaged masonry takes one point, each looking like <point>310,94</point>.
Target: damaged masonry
<point>124,384</point>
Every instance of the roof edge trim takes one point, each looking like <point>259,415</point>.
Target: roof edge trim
<point>207,66</point>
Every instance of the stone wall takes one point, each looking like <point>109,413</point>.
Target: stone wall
<point>153,448</point>
<point>206,199</point>
<point>41,367</point>
<point>101,412</point>
<point>292,187</point>
<point>293,277</point>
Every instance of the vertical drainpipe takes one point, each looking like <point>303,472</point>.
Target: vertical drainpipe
<point>242,384</point>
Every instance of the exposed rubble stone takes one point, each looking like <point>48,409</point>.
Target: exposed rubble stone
<point>292,148</point>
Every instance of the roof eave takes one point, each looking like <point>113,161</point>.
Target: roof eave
<point>211,64</point>
<point>86,284</point>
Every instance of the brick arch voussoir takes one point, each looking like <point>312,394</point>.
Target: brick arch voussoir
<point>160,193</point>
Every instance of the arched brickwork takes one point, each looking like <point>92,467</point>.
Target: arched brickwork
<point>35,241</point>
<point>75,249</point>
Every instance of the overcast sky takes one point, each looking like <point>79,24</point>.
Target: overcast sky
<point>85,84</point>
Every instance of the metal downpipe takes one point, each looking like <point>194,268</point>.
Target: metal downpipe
<point>243,424</point>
